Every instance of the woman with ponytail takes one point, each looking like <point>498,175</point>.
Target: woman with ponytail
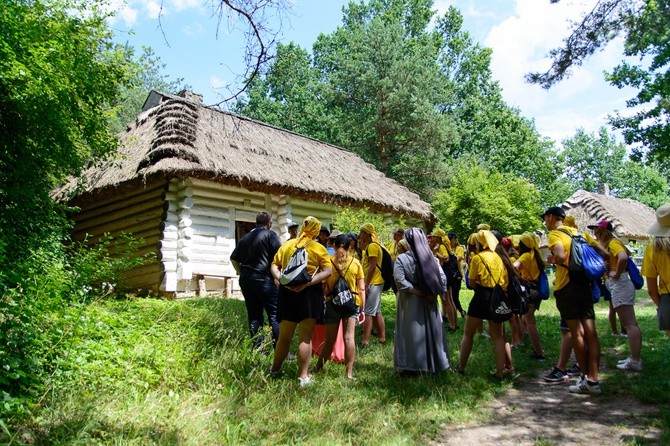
<point>529,265</point>
<point>487,269</point>
<point>300,304</point>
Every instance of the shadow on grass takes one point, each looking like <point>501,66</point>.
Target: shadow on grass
<point>85,427</point>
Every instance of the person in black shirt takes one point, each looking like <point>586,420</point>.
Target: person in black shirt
<point>251,259</point>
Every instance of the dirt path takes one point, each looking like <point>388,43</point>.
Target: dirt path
<point>536,413</point>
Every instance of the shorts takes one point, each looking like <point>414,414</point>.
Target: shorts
<point>479,305</point>
<point>622,290</point>
<point>333,317</point>
<point>663,312</point>
<point>575,300</point>
<point>563,325</point>
<point>296,307</point>
<point>373,300</point>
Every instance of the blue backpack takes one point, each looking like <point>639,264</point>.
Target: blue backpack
<point>584,259</point>
<point>543,286</point>
<point>634,274</point>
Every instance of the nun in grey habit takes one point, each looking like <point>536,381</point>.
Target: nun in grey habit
<point>420,344</point>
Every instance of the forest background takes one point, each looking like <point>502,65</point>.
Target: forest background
<point>408,91</point>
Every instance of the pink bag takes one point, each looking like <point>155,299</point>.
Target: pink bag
<point>319,337</point>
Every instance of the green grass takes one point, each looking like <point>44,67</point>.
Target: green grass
<point>146,371</point>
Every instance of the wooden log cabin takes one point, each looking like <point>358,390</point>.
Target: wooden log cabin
<point>189,180</point>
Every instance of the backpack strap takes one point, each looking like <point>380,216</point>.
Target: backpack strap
<point>379,262</point>
<point>339,273</point>
<point>565,231</point>
<point>490,273</point>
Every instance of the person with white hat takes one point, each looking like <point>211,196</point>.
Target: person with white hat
<point>656,266</point>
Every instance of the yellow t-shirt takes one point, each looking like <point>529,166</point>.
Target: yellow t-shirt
<point>529,269</point>
<point>555,237</point>
<point>657,265</point>
<point>460,253</point>
<point>392,248</point>
<point>442,250</point>
<point>317,256</point>
<point>479,274</point>
<point>615,247</point>
<point>352,273</point>
<point>374,250</point>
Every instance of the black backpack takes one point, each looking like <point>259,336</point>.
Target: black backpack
<point>451,269</point>
<point>386,268</point>
<point>342,297</point>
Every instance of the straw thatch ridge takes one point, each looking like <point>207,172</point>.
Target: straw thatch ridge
<point>181,138</point>
<point>630,219</point>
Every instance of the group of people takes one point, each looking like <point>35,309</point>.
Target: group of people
<point>427,273</point>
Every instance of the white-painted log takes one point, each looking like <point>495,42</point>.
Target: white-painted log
<point>168,245</point>
<point>169,283</point>
<point>187,232</point>
<point>185,192</point>
<point>186,203</point>
<point>185,223</point>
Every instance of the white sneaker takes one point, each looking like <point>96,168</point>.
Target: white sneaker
<point>623,361</point>
<point>630,365</point>
<point>304,382</point>
<point>584,387</point>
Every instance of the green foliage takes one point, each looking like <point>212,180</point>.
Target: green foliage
<point>594,160</point>
<point>350,220</point>
<point>145,371</point>
<point>478,195</point>
<point>407,91</point>
<point>58,71</point>
<point>54,280</point>
<point>647,38</point>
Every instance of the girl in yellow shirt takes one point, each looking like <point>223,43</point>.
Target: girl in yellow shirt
<point>301,304</point>
<point>344,265</point>
<point>487,269</point>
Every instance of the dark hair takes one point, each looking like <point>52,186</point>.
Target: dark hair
<point>500,250</point>
<point>342,240</point>
<point>497,235</point>
<point>263,218</point>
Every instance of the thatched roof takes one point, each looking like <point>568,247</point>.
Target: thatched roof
<point>631,219</point>
<point>176,136</point>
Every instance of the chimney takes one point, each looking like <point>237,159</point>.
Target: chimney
<point>191,96</point>
<point>604,189</point>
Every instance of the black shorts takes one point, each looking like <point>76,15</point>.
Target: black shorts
<point>479,305</point>
<point>308,304</point>
<point>575,300</point>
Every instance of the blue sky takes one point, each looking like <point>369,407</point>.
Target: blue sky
<point>520,32</point>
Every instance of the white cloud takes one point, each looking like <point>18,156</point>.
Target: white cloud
<point>521,43</point>
<point>153,9</point>
<point>193,30</point>
<point>216,83</point>
<point>181,5</point>
<point>129,15</point>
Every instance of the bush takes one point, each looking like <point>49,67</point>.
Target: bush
<point>350,220</point>
<point>51,280</point>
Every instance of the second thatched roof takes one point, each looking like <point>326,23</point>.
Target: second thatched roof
<point>630,219</point>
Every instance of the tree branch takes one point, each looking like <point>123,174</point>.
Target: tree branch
<point>597,28</point>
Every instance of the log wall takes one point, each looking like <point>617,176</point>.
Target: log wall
<point>138,213</point>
